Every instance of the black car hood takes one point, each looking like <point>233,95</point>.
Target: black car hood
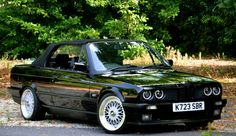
<point>158,77</point>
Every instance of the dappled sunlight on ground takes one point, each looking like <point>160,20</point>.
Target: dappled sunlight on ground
<point>204,62</point>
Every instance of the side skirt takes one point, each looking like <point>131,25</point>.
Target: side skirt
<point>69,113</point>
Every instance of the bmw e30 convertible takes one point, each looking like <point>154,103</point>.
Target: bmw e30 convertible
<point>119,82</point>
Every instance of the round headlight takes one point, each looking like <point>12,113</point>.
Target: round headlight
<point>147,95</point>
<point>207,91</point>
<point>159,94</point>
<point>216,90</point>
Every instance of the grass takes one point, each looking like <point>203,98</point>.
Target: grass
<point>223,71</point>
<point>5,68</point>
<point>3,93</point>
<point>209,133</point>
<point>8,64</point>
<point>217,68</point>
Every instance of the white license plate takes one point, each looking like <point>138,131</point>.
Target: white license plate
<point>188,106</point>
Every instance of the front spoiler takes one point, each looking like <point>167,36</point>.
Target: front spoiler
<point>164,114</point>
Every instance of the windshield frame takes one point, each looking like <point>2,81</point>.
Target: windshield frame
<point>92,63</point>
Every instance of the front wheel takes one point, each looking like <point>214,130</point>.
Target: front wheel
<point>111,114</point>
<point>30,105</point>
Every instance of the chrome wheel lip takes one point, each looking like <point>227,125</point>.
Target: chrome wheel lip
<point>111,113</point>
<point>27,104</point>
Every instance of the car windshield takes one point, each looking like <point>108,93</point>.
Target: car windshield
<point>125,55</point>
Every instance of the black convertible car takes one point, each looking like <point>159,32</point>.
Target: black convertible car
<point>118,81</point>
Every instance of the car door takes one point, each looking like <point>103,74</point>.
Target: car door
<point>70,88</point>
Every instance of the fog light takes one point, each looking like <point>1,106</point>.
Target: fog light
<point>219,103</point>
<point>151,107</point>
<point>216,112</point>
<point>147,117</point>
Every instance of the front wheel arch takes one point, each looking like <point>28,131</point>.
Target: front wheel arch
<point>114,91</point>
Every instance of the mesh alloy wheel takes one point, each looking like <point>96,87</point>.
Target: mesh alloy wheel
<point>30,105</point>
<point>27,104</point>
<point>111,114</point>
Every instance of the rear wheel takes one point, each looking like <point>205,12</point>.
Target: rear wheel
<point>30,105</point>
<point>111,114</point>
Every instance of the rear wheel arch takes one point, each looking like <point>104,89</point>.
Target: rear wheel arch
<point>31,86</point>
<point>22,89</point>
<point>32,102</point>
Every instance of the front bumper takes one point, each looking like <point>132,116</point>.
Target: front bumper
<point>140,114</point>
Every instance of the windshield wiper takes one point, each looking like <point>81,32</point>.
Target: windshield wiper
<point>125,67</point>
<point>156,67</point>
<point>133,67</point>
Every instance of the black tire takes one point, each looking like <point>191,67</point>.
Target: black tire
<point>30,106</point>
<point>110,118</point>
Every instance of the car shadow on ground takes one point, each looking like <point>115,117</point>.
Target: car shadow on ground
<point>131,129</point>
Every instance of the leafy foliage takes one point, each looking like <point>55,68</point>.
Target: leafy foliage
<point>132,52</point>
<point>30,24</point>
<point>27,26</point>
<point>207,26</point>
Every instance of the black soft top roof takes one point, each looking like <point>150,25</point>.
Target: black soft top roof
<point>40,61</point>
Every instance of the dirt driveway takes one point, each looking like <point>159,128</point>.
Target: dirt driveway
<point>10,116</point>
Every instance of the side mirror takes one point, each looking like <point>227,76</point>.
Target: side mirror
<point>170,62</point>
<point>80,67</point>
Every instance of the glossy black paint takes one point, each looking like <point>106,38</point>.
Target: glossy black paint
<point>77,93</point>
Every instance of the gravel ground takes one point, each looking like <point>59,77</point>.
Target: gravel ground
<point>228,121</point>
<point>10,116</point>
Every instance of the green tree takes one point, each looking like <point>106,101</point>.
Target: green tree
<point>160,14</point>
<point>206,26</point>
<point>28,25</point>
<point>131,24</point>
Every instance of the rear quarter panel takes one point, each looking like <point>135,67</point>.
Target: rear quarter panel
<point>30,76</point>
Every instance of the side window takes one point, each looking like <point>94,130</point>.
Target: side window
<point>81,64</point>
<point>67,57</point>
<point>83,57</point>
